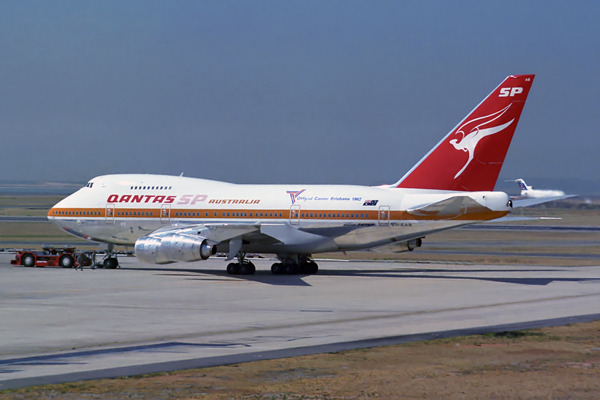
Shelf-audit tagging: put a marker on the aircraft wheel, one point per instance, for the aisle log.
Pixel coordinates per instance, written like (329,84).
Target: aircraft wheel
(277,269)
(247,269)
(233,269)
(28,260)
(311,267)
(111,263)
(66,261)
(290,269)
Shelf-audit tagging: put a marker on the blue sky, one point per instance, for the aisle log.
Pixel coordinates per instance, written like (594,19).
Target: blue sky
(287,91)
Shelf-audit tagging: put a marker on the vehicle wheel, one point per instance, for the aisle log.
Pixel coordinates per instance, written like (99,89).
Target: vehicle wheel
(28,260)
(66,261)
(232,269)
(84,260)
(247,269)
(277,269)
(111,263)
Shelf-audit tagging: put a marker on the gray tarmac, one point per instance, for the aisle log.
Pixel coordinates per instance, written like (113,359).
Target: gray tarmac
(61,325)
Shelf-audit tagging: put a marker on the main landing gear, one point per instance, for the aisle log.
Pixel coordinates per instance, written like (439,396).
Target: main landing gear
(297,264)
(288,265)
(242,267)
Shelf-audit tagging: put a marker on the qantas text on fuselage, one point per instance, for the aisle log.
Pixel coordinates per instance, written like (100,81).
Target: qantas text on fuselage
(183,200)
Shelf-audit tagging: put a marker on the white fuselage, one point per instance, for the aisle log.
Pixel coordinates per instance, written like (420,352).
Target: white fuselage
(120,209)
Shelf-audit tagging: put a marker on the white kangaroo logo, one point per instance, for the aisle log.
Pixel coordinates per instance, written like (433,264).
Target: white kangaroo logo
(469,141)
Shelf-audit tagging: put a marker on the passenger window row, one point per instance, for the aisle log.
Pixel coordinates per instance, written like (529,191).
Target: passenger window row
(230,214)
(134,213)
(334,215)
(87,213)
(215,214)
(150,188)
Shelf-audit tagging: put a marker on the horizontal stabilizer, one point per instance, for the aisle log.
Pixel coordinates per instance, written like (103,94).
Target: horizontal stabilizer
(512,219)
(540,200)
(449,208)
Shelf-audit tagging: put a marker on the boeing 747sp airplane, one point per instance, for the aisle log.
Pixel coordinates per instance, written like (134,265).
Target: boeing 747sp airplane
(170,219)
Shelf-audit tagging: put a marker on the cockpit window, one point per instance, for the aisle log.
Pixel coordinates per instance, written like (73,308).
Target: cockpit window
(89,185)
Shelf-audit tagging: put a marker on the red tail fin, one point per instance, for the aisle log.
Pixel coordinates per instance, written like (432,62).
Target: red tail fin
(470,157)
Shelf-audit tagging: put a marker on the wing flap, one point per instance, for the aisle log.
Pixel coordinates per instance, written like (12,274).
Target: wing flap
(215,233)
(286,234)
(223,232)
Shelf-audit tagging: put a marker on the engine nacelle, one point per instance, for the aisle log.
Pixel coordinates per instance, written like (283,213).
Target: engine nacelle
(409,245)
(399,247)
(173,248)
(413,244)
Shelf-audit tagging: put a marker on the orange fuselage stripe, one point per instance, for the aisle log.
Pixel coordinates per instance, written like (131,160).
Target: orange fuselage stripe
(166,213)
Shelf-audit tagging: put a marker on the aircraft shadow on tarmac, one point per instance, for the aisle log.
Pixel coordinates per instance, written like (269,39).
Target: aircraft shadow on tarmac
(392,273)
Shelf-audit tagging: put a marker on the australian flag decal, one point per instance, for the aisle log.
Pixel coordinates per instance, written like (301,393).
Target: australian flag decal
(370,202)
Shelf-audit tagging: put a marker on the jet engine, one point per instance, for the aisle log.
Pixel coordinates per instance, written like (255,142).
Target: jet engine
(173,247)
(399,247)
(409,245)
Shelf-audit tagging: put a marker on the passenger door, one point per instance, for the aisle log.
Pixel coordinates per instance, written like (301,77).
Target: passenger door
(109,215)
(384,215)
(295,215)
(165,214)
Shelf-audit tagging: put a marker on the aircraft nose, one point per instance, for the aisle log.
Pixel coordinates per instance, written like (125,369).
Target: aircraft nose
(55,211)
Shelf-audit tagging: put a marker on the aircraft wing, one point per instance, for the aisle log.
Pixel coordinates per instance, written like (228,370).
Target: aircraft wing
(539,200)
(218,233)
(233,233)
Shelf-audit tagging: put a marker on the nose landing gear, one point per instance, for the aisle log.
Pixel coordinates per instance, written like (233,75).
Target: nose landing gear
(88,259)
(110,263)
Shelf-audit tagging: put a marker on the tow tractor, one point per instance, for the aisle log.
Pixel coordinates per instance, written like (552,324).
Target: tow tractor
(66,257)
